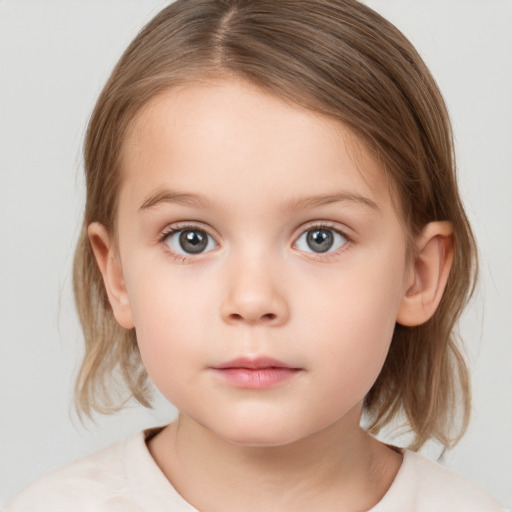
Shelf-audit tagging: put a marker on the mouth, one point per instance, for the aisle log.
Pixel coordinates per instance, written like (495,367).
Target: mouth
(258,373)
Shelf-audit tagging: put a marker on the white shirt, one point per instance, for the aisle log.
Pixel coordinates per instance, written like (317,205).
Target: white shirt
(125,478)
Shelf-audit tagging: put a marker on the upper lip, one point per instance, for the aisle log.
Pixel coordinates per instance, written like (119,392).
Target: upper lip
(257,363)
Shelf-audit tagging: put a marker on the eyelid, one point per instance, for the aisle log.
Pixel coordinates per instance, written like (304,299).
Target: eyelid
(322,224)
(197,225)
(177,227)
(327,225)
(186,225)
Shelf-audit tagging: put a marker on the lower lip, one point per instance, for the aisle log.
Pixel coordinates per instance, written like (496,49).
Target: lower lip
(260,378)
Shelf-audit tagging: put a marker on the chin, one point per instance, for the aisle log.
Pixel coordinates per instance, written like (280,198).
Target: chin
(258,433)
(257,440)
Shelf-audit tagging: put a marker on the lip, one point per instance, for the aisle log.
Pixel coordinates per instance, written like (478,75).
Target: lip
(257,373)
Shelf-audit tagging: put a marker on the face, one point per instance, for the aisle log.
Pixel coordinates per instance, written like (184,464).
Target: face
(263,262)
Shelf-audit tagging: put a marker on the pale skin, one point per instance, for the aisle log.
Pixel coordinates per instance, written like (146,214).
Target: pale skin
(254,177)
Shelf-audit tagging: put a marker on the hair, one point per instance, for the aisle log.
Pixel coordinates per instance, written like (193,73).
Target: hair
(334,57)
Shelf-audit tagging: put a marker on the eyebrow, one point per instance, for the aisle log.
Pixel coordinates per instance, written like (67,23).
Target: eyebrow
(169,196)
(190,199)
(320,200)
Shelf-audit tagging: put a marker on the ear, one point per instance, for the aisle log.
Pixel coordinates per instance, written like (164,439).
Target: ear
(429,274)
(110,267)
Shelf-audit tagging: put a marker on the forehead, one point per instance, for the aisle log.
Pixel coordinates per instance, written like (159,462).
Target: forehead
(196,136)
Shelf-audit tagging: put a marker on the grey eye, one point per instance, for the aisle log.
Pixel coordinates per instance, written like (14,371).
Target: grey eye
(190,241)
(320,240)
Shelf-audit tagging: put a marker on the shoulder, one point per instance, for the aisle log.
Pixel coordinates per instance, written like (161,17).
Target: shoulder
(440,489)
(84,485)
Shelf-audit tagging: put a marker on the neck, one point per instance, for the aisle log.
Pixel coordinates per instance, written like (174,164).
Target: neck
(340,468)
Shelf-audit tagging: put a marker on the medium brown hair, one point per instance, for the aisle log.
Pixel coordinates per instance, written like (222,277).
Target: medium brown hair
(334,57)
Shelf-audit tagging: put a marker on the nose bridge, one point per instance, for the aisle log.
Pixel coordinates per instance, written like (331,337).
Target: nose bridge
(254,292)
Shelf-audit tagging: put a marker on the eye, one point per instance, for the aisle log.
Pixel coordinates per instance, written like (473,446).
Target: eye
(189,241)
(320,239)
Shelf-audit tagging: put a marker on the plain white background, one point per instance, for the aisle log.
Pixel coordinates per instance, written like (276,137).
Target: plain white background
(55,56)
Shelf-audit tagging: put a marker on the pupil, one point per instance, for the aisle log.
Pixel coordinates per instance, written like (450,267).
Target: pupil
(320,240)
(193,241)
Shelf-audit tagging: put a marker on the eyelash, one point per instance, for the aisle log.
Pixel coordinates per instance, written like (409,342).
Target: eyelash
(171,230)
(327,256)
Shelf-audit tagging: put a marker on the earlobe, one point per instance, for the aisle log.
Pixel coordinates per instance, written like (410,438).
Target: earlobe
(429,274)
(105,253)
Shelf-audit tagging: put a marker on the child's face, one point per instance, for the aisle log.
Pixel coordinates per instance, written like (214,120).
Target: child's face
(290,248)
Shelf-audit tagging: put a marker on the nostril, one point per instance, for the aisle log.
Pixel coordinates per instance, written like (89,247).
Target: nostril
(266,317)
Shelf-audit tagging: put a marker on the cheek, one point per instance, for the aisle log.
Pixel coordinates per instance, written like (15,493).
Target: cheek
(355,316)
(355,352)
(172,328)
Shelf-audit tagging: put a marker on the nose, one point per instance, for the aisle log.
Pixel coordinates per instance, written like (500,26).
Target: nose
(254,296)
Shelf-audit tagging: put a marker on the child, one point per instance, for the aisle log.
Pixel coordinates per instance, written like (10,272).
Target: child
(273,233)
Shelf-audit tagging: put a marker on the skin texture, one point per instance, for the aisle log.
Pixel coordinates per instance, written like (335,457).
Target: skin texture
(257,174)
